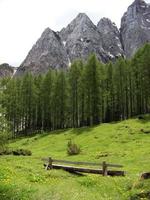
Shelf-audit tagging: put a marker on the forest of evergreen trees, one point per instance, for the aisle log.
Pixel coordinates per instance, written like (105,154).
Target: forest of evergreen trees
(84,95)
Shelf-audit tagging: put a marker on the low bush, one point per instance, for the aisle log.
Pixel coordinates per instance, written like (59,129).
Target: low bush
(23,152)
(73,149)
(16,152)
(140,117)
(6,151)
(139,196)
(145,131)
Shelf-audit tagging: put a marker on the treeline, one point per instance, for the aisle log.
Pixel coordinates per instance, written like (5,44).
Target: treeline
(86,94)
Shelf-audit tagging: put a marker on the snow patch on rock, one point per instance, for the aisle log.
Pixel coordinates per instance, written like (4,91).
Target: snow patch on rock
(148,20)
(64,43)
(110,55)
(69,62)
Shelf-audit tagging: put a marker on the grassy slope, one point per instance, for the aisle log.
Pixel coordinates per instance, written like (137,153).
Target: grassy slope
(123,143)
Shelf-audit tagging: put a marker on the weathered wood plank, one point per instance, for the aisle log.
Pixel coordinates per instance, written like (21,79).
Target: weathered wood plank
(72,162)
(76,163)
(81,163)
(87,170)
(114,165)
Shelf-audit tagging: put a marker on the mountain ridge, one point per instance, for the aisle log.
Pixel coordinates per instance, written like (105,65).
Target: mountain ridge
(82,37)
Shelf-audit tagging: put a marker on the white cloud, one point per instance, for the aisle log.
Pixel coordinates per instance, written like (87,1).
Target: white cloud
(23,21)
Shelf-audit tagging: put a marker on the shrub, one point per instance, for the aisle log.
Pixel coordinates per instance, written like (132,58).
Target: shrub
(73,149)
(4,130)
(23,152)
(142,195)
(6,151)
(16,152)
(140,117)
(145,131)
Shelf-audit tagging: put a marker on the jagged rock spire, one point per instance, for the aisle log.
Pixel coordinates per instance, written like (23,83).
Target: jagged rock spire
(135,26)
(110,38)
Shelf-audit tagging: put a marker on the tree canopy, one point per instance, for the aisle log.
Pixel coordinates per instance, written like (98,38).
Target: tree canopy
(86,94)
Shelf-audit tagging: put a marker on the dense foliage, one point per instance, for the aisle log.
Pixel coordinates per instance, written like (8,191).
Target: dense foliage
(87,94)
(4,130)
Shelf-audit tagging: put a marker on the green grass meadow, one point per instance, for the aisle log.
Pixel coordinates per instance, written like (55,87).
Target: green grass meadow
(24,177)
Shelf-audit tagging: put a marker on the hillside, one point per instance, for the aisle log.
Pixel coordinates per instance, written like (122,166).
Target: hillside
(120,143)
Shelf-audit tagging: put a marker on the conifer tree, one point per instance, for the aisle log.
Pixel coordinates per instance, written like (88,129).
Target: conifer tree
(74,93)
(46,93)
(59,101)
(92,91)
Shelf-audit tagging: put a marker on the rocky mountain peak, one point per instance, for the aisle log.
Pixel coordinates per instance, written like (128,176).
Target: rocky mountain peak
(46,32)
(82,17)
(49,33)
(107,25)
(80,24)
(138,2)
(81,38)
(48,52)
(137,7)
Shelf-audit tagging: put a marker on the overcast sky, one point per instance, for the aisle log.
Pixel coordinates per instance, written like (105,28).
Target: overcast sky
(23,21)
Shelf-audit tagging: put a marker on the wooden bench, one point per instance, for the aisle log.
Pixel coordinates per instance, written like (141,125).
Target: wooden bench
(63,164)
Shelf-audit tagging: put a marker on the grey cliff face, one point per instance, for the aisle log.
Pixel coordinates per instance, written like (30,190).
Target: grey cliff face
(110,38)
(135,27)
(6,70)
(47,53)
